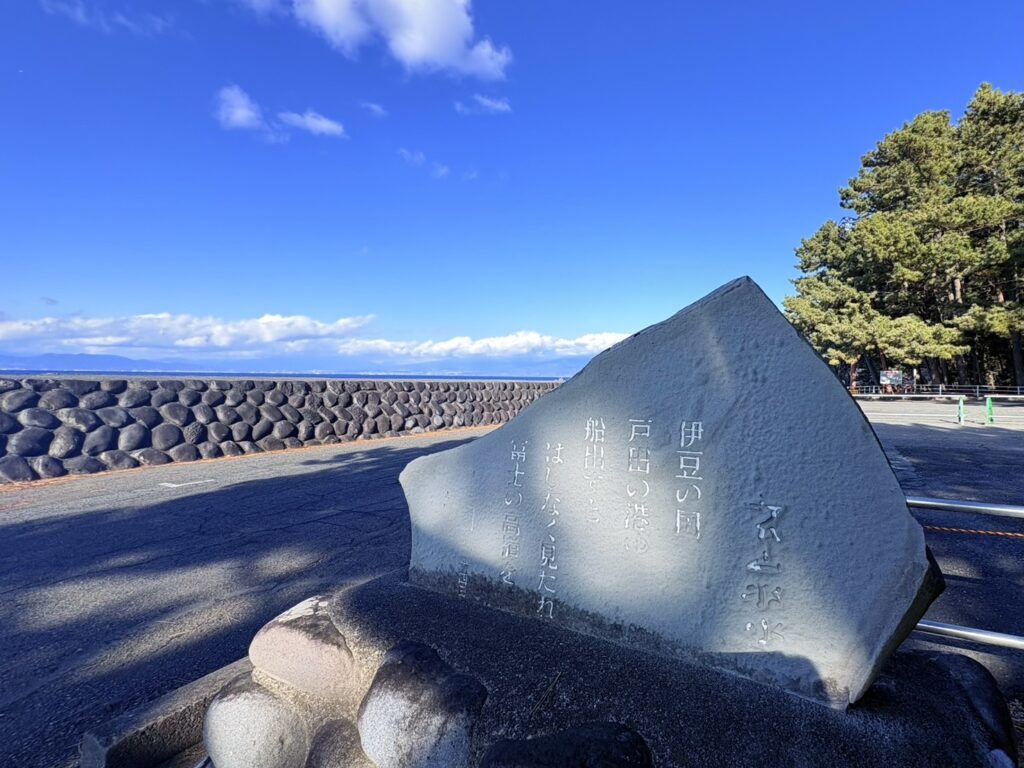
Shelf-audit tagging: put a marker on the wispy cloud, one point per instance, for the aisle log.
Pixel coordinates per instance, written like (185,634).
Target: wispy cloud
(95,17)
(168,336)
(412,156)
(236,110)
(484,105)
(520,343)
(423,35)
(373,108)
(170,333)
(312,122)
(417,159)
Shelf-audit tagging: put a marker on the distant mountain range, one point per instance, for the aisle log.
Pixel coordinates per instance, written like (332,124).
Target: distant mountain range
(562,367)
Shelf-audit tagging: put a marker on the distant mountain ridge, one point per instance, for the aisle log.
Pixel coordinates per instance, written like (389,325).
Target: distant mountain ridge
(57,363)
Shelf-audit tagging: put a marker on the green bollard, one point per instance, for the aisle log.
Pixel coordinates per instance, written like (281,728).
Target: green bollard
(990,416)
(960,411)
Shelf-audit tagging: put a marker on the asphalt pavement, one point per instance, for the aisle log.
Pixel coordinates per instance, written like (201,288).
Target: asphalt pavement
(117,588)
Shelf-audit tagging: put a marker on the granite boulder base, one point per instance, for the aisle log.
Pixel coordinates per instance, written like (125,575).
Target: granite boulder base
(705,489)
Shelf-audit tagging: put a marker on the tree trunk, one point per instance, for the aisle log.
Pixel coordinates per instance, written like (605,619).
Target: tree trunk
(871,369)
(1018,357)
(853,374)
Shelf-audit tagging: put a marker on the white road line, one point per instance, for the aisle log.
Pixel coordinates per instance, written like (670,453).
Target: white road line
(182,485)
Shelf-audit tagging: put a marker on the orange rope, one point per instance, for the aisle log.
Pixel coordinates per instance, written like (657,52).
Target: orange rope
(972,530)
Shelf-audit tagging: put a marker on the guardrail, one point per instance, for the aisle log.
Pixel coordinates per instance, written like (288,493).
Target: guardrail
(944,390)
(972,634)
(953,505)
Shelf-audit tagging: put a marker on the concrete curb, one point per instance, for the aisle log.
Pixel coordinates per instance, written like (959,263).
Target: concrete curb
(155,732)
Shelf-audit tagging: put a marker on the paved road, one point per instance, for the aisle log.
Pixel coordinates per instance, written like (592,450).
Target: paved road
(935,456)
(117,588)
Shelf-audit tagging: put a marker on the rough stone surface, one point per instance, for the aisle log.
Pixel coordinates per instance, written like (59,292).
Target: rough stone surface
(31,441)
(162,397)
(675,496)
(226,414)
(18,400)
(241,431)
(336,745)
(248,413)
(194,433)
(184,452)
(304,649)
(286,414)
(419,712)
(247,726)
(133,437)
(101,439)
(204,414)
(14,469)
(231,448)
(166,436)
(83,465)
(96,400)
(47,466)
(37,417)
(218,432)
(8,424)
(58,398)
(591,745)
(151,457)
(67,441)
(133,398)
(115,416)
(543,679)
(176,413)
(79,418)
(147,415)
(116,459)
(208,450)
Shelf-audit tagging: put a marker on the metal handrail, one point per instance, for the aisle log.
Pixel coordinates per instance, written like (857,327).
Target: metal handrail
(985,636)
(972,634)
(953,505)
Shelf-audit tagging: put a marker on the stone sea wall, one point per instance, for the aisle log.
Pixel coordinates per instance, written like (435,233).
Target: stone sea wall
(53,427)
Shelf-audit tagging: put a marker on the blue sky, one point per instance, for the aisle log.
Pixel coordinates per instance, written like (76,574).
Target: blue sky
(385,184)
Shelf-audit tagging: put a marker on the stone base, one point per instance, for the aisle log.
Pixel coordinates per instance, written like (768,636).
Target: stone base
(925,709)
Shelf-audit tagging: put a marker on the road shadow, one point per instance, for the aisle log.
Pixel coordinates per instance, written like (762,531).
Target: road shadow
(104,610)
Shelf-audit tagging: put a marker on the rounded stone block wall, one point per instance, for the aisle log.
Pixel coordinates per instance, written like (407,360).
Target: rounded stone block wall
(54,427)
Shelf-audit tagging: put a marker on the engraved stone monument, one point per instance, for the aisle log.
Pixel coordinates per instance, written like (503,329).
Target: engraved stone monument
(705,489)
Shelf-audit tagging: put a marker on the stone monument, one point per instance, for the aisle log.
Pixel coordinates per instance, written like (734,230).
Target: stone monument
(705,489)
(598,583)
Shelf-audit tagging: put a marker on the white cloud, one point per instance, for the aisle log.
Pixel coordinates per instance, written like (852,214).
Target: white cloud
(167,336)
(264,7)
(424,35)
(484,105)
(93,17)
(521,343)
(440,171)
(237,110)
(412,156)
(313,122)
(374,109)
(166,333)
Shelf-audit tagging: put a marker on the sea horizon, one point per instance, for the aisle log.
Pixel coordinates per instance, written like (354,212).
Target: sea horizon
(151,374)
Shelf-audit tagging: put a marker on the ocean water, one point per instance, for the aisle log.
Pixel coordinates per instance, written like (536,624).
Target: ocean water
(385,375)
